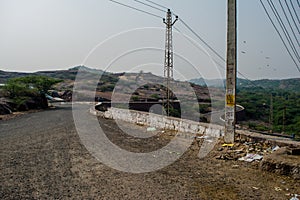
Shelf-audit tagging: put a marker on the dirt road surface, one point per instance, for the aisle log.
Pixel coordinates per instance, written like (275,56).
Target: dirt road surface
(42,158)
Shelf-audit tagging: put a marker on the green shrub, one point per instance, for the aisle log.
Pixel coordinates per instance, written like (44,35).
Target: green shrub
(135,98)
(29,85)
(154,96)
(21,89)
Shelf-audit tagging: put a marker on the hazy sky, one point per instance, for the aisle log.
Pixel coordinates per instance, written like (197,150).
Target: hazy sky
(41,35)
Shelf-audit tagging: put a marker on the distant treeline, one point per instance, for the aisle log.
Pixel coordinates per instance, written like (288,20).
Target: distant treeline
(271,109)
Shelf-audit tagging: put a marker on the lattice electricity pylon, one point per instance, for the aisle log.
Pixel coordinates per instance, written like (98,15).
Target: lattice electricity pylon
(168,67)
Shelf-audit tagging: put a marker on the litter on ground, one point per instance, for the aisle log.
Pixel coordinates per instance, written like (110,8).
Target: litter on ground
(251,157)
(227,145)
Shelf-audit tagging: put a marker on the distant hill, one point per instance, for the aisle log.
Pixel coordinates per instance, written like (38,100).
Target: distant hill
(292,85)
(4,76)
(69,74)
(108,80)
(253,95)
(218,83)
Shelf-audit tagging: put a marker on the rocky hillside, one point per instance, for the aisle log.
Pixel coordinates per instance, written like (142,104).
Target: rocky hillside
(150,84)
(69,74)
(291,85)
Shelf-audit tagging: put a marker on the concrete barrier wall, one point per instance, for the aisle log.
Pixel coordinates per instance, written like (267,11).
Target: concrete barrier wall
(188,126)
(163,122)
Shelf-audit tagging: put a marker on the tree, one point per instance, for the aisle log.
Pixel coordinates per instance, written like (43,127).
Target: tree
(29,85)
(33,88)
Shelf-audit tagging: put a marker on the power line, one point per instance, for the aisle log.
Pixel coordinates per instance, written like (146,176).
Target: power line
(289,22)
(150,5)
(218,64)
(268,17)
(295,11)
(287,5)
(266,11)
(164,7)
(285,32)
(137,9)
(198,36)
(194,44)
(185,24)
(202,40)
(212,49)
(154,15)
(283,27)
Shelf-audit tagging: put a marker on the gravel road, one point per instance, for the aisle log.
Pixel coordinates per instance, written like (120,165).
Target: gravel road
(42,158)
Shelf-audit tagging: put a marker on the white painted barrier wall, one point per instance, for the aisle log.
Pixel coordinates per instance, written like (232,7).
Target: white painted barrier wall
(163,122)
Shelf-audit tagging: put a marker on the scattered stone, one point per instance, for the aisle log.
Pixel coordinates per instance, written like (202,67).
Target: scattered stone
(281,162)
(251,149)
(151,129)
(203,137)
(277,189)
(220,149)
(239,151)
(225,157)
(235,166)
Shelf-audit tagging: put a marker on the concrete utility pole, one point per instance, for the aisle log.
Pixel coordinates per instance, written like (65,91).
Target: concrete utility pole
(168,69)
(230,73)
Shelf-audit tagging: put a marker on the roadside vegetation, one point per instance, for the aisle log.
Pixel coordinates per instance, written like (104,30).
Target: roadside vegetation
(24,93)
(270,105)
(275,110)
